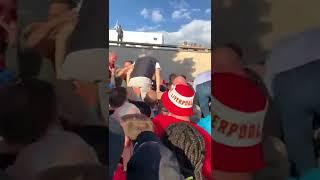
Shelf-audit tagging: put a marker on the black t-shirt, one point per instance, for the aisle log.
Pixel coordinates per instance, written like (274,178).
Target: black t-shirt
(145,67)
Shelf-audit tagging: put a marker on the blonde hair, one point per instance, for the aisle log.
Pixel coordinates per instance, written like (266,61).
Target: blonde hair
(134,124)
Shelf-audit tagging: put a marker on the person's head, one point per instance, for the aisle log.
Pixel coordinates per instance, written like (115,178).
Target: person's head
(74,172)
(179,101)
(172,76)
(143,107)
(117,97)
(27,110)
(189,147)
(125,109)
(58,7)
(227,58)
(185,77)
(179,80)
(134,124)
(151,98)
(127,63)
(112,58)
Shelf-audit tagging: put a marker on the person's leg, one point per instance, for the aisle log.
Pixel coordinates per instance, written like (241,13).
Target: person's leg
(204,96)
(297,97)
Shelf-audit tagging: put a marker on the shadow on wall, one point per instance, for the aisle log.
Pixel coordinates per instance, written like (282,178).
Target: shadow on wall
(170,61)
(184,67)
(242,22)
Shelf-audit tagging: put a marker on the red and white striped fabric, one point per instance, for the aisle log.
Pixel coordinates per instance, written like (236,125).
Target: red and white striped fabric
(239,109)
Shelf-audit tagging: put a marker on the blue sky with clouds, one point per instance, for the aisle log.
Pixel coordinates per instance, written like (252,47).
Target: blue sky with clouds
(179,20)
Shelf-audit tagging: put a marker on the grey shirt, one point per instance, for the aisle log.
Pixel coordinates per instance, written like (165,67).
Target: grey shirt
(292,52)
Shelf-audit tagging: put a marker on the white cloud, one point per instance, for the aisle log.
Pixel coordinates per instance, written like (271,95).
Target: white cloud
(181,14)
(196,10)
(156,16)
(208,11)
(179,4)
(144,13)
(197,31)
(148,28)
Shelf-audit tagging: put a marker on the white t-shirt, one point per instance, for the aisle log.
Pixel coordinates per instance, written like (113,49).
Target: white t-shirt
(294,51)
(202,78)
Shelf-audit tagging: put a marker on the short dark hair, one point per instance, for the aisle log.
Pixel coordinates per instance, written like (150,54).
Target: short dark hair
(172,76)
(117,97)
(235,48)
(143,107)
(185,77)
(27,108)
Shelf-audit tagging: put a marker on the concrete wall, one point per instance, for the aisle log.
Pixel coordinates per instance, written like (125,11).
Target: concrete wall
(139,37)
(257,24)
(171,61)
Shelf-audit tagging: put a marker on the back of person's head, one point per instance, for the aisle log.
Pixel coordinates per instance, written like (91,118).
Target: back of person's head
(27,109)
(151,98)
(179,80)
(172,77)
(228,58)
(127,108)
(134,124)
(189,146)
(185,77)
(74,172)
(143,107)
(117,97)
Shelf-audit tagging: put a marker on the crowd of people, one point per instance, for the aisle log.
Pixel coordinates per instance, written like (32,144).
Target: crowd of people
(50,127)
(165,126)
(264,125)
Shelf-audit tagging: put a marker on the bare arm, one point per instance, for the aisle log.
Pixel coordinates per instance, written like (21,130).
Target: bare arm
(60,52)
(39,33)
(44,29)
(61,45)
(129,73)
(158,79)
(122,71)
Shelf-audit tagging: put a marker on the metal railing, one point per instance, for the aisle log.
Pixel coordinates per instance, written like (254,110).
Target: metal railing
(158,46)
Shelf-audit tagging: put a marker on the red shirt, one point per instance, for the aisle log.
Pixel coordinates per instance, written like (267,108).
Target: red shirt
(119,173)
(161,122)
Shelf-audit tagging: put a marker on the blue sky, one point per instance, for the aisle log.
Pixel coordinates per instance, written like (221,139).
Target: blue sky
(176,18)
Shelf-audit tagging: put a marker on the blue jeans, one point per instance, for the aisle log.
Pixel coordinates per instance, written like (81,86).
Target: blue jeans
(203,92)
(297,95)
